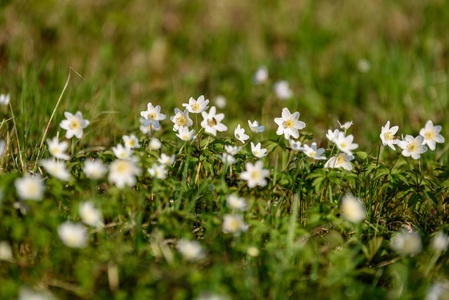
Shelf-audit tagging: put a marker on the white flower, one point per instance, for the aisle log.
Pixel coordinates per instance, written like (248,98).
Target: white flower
(197,106)
(255,127)
(437,292)
(26,293)
(345,144)
(166,160)
(212,121)
(211,296)
(233,150)
(2,148)
(282,90)
(363,65)
(406,243)
(181,119)
(5,251)
(220,102)
(227,159)
(313,152)
(73,235)
(440,241)
(30,187)
(152,115)
(234,224)
(345,126)
(258,151)
(57,149)
(184,134)
(332,135)
(387,135)
(352,209)
(340,160)
(253,251)
(295,145)
(261,75)
(74,125)
(94,169)
(56,169)
(240,134)
(131,141)
(158,171)
(255,174)
(289,124)
(122,152)
(236,203)
(90,215)
(4,99)
(123,172)
(146,127)
(191,250)
(412,146)
(155,144)
(431,135)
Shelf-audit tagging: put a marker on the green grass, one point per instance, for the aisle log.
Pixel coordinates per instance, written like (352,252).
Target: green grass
(129,53)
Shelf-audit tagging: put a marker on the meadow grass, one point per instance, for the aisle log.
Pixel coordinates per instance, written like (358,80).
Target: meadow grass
(109,59)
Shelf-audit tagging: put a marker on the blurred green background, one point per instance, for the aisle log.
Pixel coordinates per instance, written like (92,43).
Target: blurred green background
(134,52)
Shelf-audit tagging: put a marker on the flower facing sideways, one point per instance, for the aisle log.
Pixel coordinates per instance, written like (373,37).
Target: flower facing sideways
(255,174)
(56,169)
(352,209)
(197,106)
(166,160)
(332,135)
(74,125)
(240,134)
(155,144)
(345,126)
(261,75)
(340,160)
(73,235)
(30,187)
(90,215)
(258,151)
(191,250)
(412,146)
(431,135)
(146,127)
(313,152)
(158,171)
(387,135)
(289,124)
(212,121)
(406,243)
(227,159)
(295,145)
(237,203)
(282,90)
(57,148)
(185,135)
(233,150)
(255,127)
(4,99)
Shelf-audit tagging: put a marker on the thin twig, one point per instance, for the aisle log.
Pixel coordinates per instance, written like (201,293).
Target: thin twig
(17,137)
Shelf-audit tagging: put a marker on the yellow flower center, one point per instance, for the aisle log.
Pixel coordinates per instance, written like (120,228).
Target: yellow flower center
(131,143)
(340,160)
(32,188)
(389,136)
(123,155)
(75,124)
(152,116)
(289,124)
(54,150)
(255,174)
(343,145)
(212,122)
(195,106)
(234,225)
(256,152)
(312,153)
(412,147)
(430,135)
(181,121)
(122,167)
(185,137)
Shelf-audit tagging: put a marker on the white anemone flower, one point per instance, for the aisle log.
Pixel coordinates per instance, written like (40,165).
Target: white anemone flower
(289,124)
(94,169)
(56,169)
(234,224)
(197,106)
(152,115)
(191,250)
(220,102)
(282,90)
(345,143)
(345,126)
(332,135)
(74,125)
(30,187)
(73,235)
(233,150)
(57,148)
(387,135)
(2,148)
(227,159)
(363,65)
(155,144)
(313,152)
(341,160)
(185,135)
(431,135)
(255,127)
(122,152)
(412,146)
(146,127)
(4,99)
(258,151)
(158,171)
(255,174)
(181,119)
(406,243)
(25,293)
(261,75)
(6,251)
(237,203)
(295,145)
(90,215)
(212,121)
(352,209)
(131,141)
(240,134)
(123,173)
(166,160)
(440,242)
